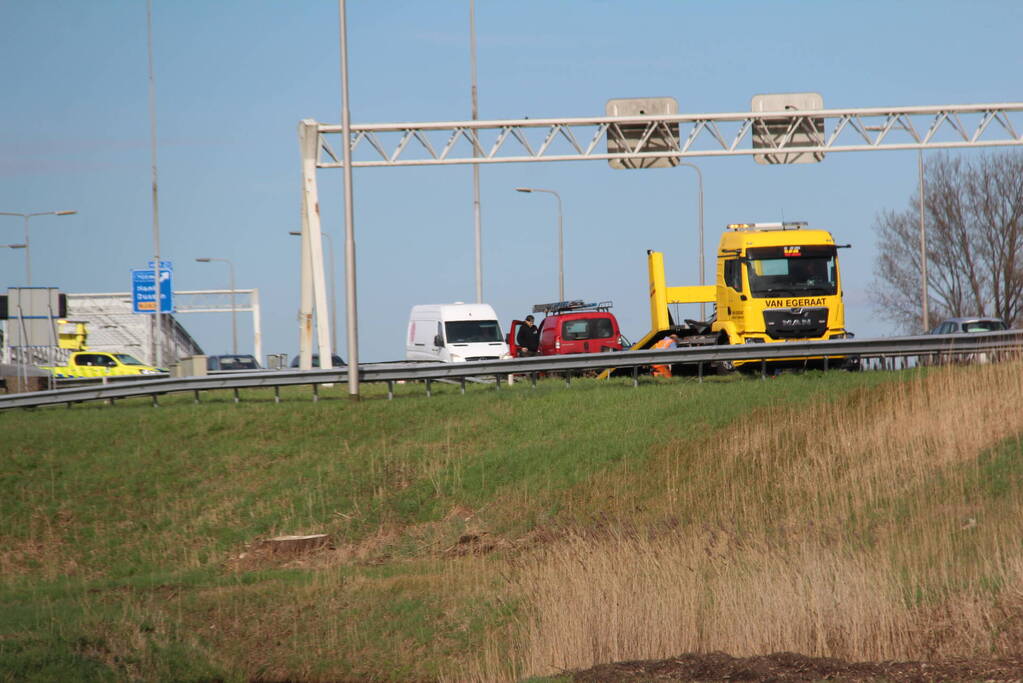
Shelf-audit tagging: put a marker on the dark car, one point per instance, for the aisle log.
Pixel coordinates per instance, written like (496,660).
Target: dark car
(232,361)
(961,325)
(334,359)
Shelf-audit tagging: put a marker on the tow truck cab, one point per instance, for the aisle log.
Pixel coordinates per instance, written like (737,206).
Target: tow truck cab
(573,327)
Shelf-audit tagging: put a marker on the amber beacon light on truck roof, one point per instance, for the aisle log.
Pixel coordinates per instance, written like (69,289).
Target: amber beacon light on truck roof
(788,225)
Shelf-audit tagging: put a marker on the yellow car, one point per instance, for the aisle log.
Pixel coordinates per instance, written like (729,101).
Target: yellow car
(102,364)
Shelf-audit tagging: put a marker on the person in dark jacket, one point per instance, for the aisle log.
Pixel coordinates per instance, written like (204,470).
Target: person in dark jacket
(528,338)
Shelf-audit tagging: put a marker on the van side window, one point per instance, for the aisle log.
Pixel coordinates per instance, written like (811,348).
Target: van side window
(733,274)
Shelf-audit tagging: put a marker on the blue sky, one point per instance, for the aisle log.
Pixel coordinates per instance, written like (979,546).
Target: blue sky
(234,77)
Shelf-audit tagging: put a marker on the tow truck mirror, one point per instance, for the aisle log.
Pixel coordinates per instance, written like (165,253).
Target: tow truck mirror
(438,340)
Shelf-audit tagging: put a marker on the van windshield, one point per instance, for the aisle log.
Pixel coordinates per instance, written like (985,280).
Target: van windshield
(470,331)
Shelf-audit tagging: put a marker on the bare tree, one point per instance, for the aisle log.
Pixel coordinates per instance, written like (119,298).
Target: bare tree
(973,213)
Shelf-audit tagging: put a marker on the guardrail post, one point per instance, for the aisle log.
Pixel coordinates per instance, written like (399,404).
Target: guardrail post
(699,372)
(390,389)
(568,379)
(461,382)
(532,379)
(497,382)
(428,392)
(635,376)
(156,401)
(825,363)
(236,397)
(196,392)
(277,393)
(316,393)
(763,369)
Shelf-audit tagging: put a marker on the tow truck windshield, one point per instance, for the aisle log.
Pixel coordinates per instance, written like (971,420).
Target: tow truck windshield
(128,360)
(792,271)
(471,331)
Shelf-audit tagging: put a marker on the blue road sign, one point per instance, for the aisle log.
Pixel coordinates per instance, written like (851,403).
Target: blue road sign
(163,264)
(143,293)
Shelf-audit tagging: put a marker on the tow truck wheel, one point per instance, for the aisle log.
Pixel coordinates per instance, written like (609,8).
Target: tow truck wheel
(723,367)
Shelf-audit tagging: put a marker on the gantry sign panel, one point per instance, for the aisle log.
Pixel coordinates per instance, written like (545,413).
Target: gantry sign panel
(787,132)
(698,135)
(661,137)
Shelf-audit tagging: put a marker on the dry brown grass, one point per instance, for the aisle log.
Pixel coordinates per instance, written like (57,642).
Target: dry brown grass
(852,529)
(43,552)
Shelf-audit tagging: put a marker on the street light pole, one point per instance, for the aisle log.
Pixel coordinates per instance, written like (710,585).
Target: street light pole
(25,246)
(351,300)
(703,258)
(477,219)
(333,289)
(561,238)
(234,310)
(923,245)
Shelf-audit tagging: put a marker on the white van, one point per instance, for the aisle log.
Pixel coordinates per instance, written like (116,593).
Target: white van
(454,333)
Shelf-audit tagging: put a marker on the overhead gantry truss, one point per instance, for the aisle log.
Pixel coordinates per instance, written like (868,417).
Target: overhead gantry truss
(682,135)
(626,142)
(186,301)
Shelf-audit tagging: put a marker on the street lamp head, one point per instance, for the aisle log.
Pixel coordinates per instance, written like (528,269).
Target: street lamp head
(523,189)
(203,260)
(296,233)
(15,246)
(65,213)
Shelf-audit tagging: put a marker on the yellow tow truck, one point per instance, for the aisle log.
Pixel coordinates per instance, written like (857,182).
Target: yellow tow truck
(776,282)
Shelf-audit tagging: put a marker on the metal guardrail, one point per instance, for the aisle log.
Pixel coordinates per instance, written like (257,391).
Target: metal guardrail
(68,382)
(934,346)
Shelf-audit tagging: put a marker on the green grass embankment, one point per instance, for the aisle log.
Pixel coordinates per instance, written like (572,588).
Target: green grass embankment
(130,534)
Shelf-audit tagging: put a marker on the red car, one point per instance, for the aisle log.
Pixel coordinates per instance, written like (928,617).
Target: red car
(573,327)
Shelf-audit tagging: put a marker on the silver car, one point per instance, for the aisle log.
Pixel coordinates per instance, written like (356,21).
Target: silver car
(961,325)
(966,326)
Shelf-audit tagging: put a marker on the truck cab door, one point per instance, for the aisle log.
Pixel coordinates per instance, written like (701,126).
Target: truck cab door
(735,294)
